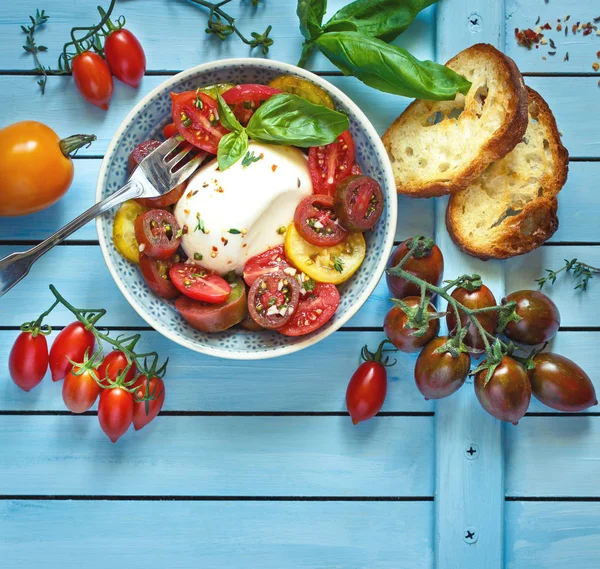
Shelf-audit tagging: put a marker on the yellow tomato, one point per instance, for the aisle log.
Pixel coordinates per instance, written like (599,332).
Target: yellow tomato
(124,230)
(325,264)
(35,166)
(303,88)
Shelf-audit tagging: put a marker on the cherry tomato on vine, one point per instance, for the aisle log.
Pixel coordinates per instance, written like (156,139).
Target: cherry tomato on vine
(115,412)
(245,99)
(507,394)
(359,203)
(331,163)
(402,337)
(426,263)
(113,365)
(71,344)
(93,78)
(155,390)
(28,360)
(157,233)
(368,386)
(540,318)
(317,223)
(80,390)
(125,57)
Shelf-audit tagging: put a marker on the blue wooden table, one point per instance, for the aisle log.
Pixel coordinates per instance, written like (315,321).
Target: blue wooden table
(257,464)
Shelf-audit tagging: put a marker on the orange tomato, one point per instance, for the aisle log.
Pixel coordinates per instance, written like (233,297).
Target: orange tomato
(35,166)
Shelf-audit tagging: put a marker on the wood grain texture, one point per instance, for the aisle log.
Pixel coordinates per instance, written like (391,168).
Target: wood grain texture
(218,456)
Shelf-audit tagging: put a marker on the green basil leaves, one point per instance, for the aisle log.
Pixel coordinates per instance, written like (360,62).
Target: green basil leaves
(283,119)
(310,13)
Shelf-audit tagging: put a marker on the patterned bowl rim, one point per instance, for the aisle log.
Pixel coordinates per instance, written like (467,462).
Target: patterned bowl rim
(391,204)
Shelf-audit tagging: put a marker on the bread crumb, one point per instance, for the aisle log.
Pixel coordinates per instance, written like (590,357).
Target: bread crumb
(595,66)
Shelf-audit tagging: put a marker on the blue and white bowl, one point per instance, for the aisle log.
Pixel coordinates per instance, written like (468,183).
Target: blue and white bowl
(147,120)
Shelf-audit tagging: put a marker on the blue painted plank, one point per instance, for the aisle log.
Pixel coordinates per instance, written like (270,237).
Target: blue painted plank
(272,535)
(218,456)
(553,456)
(310,381)
(552,535)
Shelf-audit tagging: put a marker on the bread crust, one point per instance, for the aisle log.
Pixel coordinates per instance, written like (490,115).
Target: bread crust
(499,145)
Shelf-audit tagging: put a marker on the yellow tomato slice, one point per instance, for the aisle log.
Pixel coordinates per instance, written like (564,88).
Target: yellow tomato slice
(325,264)
(303,88)
(124,231)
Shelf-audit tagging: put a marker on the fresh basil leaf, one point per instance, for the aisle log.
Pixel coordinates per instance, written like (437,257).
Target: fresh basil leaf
(310,13)
(226,116)
(289,119)
(383,19)
(390,68)
(231,148)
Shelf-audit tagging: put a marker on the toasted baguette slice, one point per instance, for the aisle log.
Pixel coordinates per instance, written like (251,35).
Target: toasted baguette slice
(439,147)
(511,208)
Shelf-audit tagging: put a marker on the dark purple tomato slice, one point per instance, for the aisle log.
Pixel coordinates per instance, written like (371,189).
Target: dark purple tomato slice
(270,261)
(273,298)
(157,232)
(215,317)
(199,283)
(250,325)
(245,99)
(317,222)
(359,203)
(140,152)
(156,275)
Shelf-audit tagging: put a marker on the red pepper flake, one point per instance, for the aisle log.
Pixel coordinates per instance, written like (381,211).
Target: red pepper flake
(214,248)
(274,167)
(598,54)
(559,28)
(587,31)
(225,241)
(546,26)
(527,38)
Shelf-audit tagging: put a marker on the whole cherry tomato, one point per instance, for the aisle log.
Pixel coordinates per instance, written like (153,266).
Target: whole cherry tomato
(426,263)
(113,365)
(540,318)
(35,166)
(115,412)
(93,79)
(402,337)
(71,344)
(80,391)
(480,297)
(368,386)
(125,57)
(507,394)
(155,390)
(440,374)
(28,360)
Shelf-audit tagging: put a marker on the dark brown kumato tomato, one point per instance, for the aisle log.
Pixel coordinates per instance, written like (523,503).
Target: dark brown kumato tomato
(540,318)
(404,338)
(156,232)
(359,203)
(273,299)
(317,223)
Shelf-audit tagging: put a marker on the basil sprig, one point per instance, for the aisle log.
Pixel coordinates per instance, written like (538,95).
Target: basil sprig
(282,119)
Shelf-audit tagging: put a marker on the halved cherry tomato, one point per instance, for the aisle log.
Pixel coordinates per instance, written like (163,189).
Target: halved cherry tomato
(271,261)
(156,232)
(315,308)
(71,344)
(113,365)
(125,57)
(245,99)
(170,130)
(273,298)
(199,283)
(115,412)
(215,317)
(316,221)
(330,164)
(359,203)
(156,275)
(124,230)
(92,78)
(80,391)
(140,152)
(28,360)
(155,390)
(196,118)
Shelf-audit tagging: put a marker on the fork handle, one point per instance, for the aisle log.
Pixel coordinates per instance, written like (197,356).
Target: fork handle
(16,266)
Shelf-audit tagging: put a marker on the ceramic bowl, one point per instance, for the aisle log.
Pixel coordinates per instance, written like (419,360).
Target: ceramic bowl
(147,120)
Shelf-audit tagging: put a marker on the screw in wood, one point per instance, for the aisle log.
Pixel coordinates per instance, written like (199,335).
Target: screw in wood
(470,535)
(471,451)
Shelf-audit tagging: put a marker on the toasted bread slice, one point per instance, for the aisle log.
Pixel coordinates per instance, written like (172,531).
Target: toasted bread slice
(511,208)
(439,147)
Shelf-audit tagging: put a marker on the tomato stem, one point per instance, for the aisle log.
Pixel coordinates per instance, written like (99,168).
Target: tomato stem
(70,145)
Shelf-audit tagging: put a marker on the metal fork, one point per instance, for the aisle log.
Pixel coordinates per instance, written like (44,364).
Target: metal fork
(154,177)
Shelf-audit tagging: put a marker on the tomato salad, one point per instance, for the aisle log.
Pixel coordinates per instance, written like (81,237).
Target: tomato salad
(263,238)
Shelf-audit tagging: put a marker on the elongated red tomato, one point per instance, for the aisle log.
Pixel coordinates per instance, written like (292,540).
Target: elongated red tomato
(155,391)
(92,78)
(125,57)
(115,412)
(113,365)
(330,164)
(71,344)
(80,392)
(28,360)
(245,99)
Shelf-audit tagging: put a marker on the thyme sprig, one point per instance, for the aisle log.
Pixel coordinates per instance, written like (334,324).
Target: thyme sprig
(34,49)
(221,24)
(582,272)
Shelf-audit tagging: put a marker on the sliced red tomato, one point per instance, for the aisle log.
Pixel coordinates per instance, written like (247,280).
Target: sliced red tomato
(270,261)
(273,298)
(315,308)
(245,99)
(199,283)
(330,164)
(170,130)
(317,222)
(165,200)
(359,202)
(156,231)
(197,120)
(156,275)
